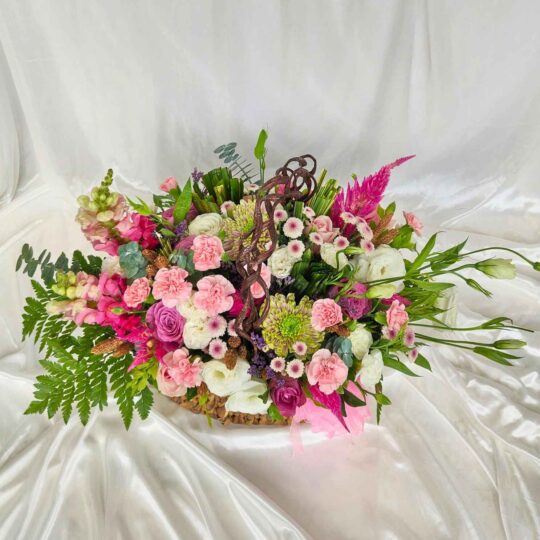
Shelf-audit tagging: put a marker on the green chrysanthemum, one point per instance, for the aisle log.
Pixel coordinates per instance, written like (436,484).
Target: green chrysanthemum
(240,223)
(288,322)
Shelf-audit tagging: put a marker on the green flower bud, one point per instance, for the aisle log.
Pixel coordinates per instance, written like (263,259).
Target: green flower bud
(72,278)
(103,197)
(536,266)
(105,216)
(83,201)
(509,344)
(71,293)
(118,310)
(497,268)
(59,290)
(93,207)
(95,194)
(385,290)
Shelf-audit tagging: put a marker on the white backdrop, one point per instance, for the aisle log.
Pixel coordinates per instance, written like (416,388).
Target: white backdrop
(150,88)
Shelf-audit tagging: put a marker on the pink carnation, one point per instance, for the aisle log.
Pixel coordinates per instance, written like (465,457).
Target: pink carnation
(168,184)
(325,313)
(176,373)
(396,316)
(137,292)
(413,222)
(207,252)
(256,289)
(327,370)
(214,295)
(170,285)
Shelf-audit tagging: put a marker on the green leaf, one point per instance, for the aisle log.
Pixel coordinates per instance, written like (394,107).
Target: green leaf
(396,364)
(382,399)
(403,238)
(353,401)
(191,393)
(431,285)
(495,356)
(423,255)
(274,414)
(183,203)
(144,404)
(141,207)
(260,149)
(422,361)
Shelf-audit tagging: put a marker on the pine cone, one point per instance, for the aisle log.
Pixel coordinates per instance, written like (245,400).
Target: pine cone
(124,348)
(230,358)
(340,330)
(234,342)
(242,352)
(161,262)
(149,255)
(107,346)
(151,270)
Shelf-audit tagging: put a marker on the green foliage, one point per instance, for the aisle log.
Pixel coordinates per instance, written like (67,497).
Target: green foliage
(141,207)
(90,265)
(423,255)
(183,203)
(260,153)
(274,414)
(238,165)
(184,260)
(132,261)
(403,240)
(352,400)
(392,361)
(324,195)
(220,187)
(422,361)
(343,347)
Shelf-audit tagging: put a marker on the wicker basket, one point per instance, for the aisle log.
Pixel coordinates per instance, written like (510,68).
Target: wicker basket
(215,408)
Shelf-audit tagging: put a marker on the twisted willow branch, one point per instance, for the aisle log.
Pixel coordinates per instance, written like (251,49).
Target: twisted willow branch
(295,181)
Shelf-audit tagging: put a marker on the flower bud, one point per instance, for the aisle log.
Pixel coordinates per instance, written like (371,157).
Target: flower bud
(72,278)
(105,216)
(118,310)
(509,344)
(95,194)
(385,290)
(497,268)
(92,206)
(71,293)
(83,200)
(536,266)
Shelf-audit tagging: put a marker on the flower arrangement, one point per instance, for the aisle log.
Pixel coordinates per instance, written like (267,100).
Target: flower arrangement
(264,301)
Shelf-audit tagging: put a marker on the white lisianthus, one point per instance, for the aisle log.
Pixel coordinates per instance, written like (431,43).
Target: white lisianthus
(209,224)
(223,381)
(360,265)
(331,255)
(361,340)
(247,400)
(386,262)
(187,309)
(111,265)
(371,370)
(196,334)
(447,300)
(281,262)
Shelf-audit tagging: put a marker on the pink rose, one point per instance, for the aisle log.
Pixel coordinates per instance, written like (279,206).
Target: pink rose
(413,222)
(137,292)
(325,313)
(112,286)
(256,289)
(170,285)
(327,370)
(214,295)
(207,252)
(168,184)
(325,228)
(176,373)
(396,316)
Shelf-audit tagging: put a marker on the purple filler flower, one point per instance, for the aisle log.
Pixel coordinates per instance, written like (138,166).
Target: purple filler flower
(287,394)
(166,323)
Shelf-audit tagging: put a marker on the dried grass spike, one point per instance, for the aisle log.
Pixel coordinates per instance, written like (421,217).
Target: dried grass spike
(107,346)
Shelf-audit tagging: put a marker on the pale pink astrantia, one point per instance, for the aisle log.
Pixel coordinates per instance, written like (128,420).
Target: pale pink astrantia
(367,246)
(300,348)
(217,349)
(216,326)
(409,337)
(226,206)
(348,218)
(413,222)
(293,228)
(362,198)
(277,364)
(280,214)
(295,368)
(389,333)
(296,249)
(413,355)
(364,229)
(316,238)
(341,242)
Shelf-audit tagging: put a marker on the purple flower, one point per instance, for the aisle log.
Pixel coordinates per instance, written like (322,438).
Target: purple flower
(196,175)
(287,394)
(166,323)
(356,308)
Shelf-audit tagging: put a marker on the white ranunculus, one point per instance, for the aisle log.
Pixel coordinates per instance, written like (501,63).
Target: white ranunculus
(111,265)
(209,224)
(447,300)
(386,262)
(281,263)
(371,370)
(330,255)
(360,265)
(247,399)
(361,341)
(188,310)
(223,381)
(195,334)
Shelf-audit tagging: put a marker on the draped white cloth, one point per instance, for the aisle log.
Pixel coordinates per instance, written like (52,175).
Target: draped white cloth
(149,89)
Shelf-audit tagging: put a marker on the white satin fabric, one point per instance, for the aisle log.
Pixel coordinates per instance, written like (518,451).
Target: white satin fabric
(150,88)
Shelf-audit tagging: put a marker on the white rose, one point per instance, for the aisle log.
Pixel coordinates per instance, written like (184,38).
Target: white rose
(447,300)
(111,265)
(361,341)
(360,265)
(386,262)
(209,224)
(247,399)
(188,310)
(371,371)
(281,263)
(223,381)
(329,254)
(195,334)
